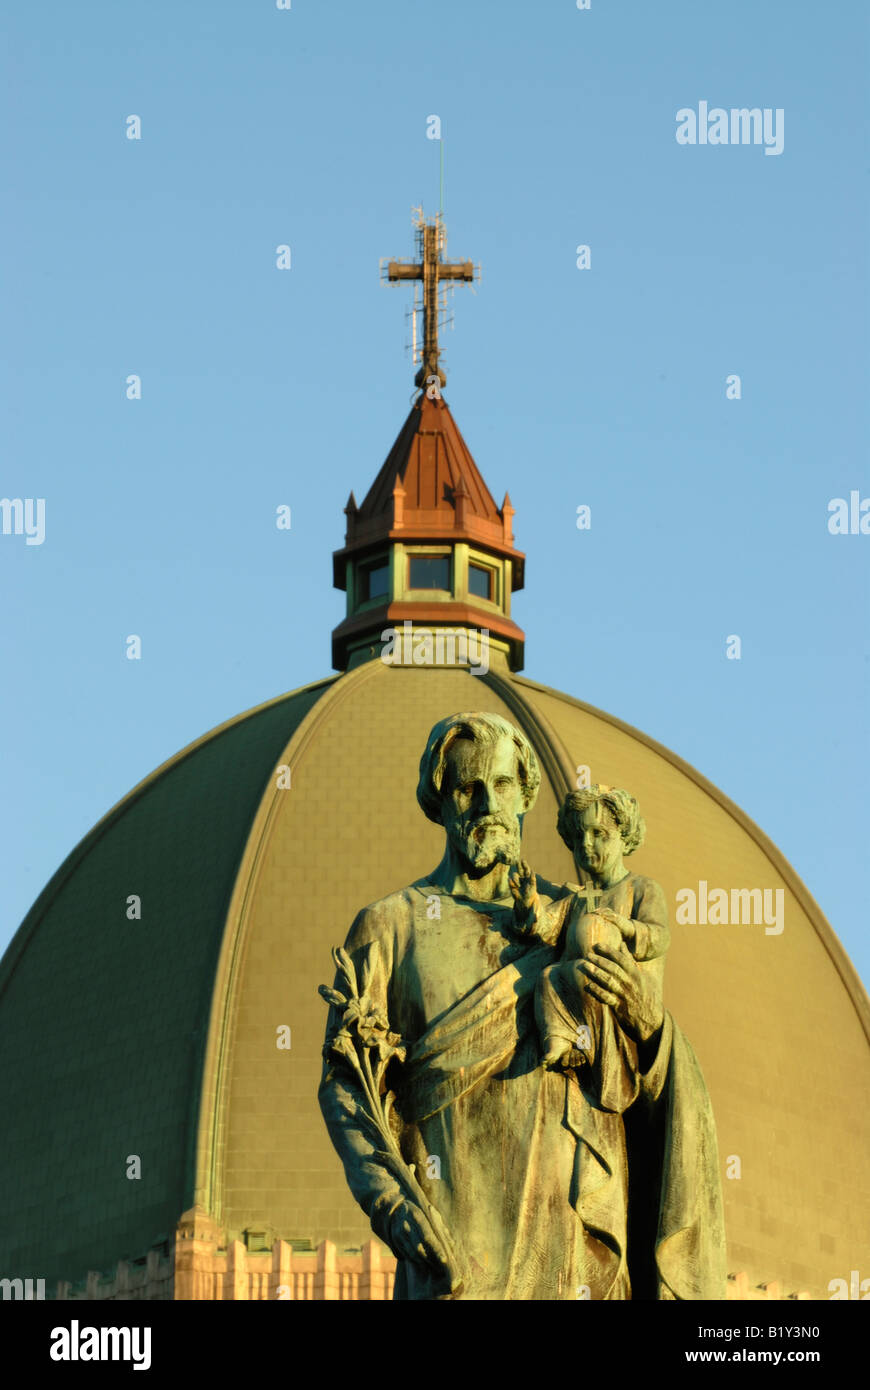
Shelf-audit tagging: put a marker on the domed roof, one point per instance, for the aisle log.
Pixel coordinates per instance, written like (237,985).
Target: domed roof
(157,1037)
(142,999)
(104,1018)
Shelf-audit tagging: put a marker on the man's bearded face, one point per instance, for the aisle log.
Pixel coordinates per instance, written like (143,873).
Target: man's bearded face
(482,802)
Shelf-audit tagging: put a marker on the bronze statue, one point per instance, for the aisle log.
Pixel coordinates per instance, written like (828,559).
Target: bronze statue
(599,825)
(489,1174)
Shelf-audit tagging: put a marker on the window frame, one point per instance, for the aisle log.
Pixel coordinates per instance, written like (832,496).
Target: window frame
(427,553)
(364,569)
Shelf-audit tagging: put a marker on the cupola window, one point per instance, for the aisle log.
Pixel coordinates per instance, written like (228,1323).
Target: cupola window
(480,579)
(429,572)
(374,580)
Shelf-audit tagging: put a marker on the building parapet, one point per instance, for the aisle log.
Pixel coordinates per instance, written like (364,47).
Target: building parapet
(202,1266)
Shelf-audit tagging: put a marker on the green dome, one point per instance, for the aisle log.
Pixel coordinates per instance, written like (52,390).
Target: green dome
(103,1020)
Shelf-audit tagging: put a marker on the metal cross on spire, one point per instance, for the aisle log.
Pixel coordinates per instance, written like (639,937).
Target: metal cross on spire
(433,270)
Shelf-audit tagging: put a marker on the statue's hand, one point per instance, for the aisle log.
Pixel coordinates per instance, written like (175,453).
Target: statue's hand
(623,924)
(634,995)
(524,888)
(412,1236)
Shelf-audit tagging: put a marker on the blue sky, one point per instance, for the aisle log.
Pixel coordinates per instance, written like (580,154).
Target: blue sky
(604,387)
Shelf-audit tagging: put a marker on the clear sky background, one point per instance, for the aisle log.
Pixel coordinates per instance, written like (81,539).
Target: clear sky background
(604,387)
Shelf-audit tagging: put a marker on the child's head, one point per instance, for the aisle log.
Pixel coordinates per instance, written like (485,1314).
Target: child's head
(599,825)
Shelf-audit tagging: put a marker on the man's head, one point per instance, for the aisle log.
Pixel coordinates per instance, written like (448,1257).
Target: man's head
(478,777)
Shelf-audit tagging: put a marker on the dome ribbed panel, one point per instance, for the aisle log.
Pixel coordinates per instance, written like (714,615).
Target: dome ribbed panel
(103,1020)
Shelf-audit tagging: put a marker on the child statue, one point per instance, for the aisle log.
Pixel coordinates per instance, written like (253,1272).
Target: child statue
(600,825)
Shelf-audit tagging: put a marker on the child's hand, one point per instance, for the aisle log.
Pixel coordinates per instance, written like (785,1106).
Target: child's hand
(524,887)
(624,925)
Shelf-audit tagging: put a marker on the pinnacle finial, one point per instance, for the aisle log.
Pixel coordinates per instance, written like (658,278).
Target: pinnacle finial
(433,270)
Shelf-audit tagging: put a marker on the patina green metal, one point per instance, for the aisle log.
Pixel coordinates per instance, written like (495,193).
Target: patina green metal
(490,1174)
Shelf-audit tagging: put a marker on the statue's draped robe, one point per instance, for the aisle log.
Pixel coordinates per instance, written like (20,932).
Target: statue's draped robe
(550,1189)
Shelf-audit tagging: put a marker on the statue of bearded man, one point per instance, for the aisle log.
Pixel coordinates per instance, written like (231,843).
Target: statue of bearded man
(487,1174)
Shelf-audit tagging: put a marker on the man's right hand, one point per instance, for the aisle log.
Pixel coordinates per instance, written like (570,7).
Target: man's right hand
(412,1236)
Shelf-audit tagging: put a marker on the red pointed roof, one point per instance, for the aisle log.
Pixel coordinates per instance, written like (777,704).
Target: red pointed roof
(430,489)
